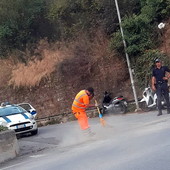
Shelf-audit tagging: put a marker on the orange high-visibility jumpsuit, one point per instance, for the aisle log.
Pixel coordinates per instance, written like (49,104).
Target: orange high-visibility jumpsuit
(79,105)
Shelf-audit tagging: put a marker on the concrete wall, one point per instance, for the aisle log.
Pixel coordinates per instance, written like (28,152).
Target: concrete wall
(8,145)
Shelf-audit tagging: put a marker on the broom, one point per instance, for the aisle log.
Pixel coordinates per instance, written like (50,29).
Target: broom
(102,121)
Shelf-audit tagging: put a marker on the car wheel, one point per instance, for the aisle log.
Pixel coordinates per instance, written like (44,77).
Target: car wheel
(18,136)
(34,132)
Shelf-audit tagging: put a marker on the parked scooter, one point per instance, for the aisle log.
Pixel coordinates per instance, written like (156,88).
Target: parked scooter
(149,100)
(115,105)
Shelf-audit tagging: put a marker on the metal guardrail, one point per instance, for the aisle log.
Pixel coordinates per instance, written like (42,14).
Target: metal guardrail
(63,117)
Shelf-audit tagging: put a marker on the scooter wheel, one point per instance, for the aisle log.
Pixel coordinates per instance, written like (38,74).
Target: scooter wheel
(123,108)
(144,107)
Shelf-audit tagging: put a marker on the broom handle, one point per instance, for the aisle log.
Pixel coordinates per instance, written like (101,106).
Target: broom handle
(102,121)
(97,107)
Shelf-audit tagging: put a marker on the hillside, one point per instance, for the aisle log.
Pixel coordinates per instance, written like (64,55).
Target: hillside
(52,77)
(50,82)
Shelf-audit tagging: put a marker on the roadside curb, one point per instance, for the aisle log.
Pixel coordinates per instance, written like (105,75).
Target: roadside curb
(8,145)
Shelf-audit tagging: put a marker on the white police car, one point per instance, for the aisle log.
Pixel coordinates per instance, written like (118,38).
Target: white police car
(16,118)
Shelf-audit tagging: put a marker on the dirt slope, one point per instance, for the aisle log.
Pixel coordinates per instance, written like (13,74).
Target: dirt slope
(51,79)
(51,82)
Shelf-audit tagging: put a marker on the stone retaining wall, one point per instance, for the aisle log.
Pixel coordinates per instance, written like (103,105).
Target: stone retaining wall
(8,145)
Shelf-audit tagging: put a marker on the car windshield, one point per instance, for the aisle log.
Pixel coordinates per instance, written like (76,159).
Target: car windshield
(11,110)
(25,106)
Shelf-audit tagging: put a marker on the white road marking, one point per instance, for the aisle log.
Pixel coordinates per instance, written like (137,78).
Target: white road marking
(33,156)
(13,166)
(36,156)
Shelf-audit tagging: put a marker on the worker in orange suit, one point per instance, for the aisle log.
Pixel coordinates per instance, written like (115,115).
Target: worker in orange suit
(79,106)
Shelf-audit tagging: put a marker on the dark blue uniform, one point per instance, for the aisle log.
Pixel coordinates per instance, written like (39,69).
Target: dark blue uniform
(161,86)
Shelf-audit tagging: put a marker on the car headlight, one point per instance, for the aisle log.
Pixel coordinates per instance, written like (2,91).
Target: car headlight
(31,117)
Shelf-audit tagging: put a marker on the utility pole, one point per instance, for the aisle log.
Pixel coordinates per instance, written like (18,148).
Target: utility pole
(127,57)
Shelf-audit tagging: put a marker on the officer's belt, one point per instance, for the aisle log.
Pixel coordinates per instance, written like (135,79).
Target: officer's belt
(160,82)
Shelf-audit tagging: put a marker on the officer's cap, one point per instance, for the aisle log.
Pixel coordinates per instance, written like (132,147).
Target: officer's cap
(157,60)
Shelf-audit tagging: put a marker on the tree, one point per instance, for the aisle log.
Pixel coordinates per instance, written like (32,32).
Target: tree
(19,23)
(139,29)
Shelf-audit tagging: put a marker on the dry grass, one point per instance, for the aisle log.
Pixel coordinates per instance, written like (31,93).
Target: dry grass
(6,67)
(83,49)
(100,45)
(31,74)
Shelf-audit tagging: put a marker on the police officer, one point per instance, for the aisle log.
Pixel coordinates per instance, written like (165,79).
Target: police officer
(160,84)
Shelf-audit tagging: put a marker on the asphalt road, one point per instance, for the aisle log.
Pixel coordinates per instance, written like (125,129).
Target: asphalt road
(128,142)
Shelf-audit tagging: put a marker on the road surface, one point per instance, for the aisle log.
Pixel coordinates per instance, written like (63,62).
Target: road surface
(137,141)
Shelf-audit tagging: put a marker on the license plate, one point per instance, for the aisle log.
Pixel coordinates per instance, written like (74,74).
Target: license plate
(20,126)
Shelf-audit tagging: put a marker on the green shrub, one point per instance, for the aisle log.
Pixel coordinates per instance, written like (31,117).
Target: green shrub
(142,36)
(3,128)
(144,65)
(20,23)
(140,30)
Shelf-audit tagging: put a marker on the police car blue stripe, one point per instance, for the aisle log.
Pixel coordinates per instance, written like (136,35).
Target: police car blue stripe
(26,117)
(6,119)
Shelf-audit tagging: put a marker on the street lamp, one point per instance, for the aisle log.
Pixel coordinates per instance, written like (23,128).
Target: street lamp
(127,57)
(161,25)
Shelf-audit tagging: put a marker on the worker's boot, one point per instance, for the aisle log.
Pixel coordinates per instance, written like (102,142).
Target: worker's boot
(159,113)
(89,133)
